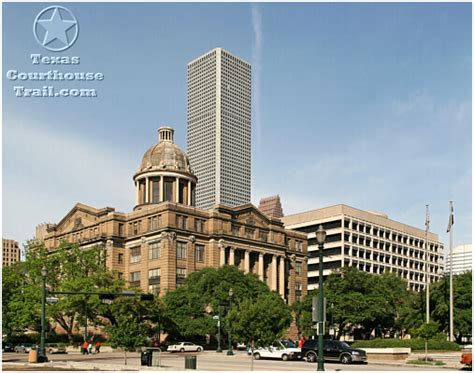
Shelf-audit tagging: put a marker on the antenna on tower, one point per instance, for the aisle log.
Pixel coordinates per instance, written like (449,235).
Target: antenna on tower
(427,220)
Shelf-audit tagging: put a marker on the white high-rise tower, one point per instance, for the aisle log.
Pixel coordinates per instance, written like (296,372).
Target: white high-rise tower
(219,128)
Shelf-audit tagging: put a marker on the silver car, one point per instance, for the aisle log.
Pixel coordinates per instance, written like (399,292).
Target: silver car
(23,348)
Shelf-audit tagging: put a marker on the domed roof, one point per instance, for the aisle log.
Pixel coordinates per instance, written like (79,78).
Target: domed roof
(165,155)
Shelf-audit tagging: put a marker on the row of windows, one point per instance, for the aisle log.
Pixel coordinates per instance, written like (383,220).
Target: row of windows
(154,252)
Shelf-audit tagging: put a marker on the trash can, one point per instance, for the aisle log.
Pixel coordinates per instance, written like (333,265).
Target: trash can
(33,356)
(145,358)
(190,362)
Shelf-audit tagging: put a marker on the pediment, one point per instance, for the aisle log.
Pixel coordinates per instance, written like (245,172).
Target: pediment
(251,216)
(79,217)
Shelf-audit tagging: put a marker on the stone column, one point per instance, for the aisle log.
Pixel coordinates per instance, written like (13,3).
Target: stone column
(162,188)
(232,256)
(281,287)
(147,190)
(260,266)
(177,190)
(273,285)
(137,193)
(222,250)
(189,192)
(247,261)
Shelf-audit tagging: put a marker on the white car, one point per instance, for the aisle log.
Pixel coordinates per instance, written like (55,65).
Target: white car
(277,351)
(184,347)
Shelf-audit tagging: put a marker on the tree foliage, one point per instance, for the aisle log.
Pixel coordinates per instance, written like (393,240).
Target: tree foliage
(359,298)
(190,309)
(462,297)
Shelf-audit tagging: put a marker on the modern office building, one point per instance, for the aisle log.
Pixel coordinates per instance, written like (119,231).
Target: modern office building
(369,241)
(11,252)
(462,259)
(271,206)
(219,128)
(166,237)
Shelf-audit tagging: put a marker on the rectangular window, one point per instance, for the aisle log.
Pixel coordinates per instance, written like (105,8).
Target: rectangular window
(263,236)
(120,259)
(235,230)
(182,222)
(154,273)
(154,250)
(155,190)
(180,276)
(120,230)
(298,268)
(199,253)
(199,225)
(153,223)
(168,189)
(299,245)
(135,254)
(249,232)
(120,275)
(180,250)
(154,289)
(134,276)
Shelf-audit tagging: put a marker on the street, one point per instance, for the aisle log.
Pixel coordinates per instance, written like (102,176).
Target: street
(207,360)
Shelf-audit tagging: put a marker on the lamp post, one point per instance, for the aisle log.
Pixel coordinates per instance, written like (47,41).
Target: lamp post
(229,349)
(219,348)
(42,353)
(320,239)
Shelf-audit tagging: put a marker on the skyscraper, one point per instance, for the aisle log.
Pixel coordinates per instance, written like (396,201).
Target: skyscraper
(219,128)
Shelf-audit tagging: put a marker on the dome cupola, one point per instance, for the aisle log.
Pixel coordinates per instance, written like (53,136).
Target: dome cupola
(164,174)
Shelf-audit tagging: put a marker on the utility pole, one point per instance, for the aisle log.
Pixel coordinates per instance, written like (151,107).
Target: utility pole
(427,272)
(451,296)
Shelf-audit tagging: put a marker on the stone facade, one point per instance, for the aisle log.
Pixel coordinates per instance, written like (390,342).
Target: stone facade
(165,237)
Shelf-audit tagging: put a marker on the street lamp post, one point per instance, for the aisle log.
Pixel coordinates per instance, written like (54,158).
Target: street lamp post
(219,348)
(42,352)
(320,239)
(229,349)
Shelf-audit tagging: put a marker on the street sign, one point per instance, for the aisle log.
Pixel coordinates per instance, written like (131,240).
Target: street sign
(50,300)
(315,310)
(216,317)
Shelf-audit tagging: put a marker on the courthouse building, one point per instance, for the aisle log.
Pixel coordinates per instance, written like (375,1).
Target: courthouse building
(166,237)
(369,241)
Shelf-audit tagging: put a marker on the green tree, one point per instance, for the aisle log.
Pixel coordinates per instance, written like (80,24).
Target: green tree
(260,321)
(359,298)
(189,309)
(426,331)
(462,297)
(128,333)
(70,268)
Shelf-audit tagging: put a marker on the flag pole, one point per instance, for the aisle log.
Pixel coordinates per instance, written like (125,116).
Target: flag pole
(427,227)
(451,300)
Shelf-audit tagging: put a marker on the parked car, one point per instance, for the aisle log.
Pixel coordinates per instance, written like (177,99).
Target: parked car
(241,346)
(333,350)
(53,348)
(279,350)
(466,356)
(23,348)
(184,347)
(7,347)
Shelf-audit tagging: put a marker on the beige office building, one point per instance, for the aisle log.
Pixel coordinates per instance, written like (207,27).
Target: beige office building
(219,128)
(165,238)
(462,259)
(11,252)
(369,241)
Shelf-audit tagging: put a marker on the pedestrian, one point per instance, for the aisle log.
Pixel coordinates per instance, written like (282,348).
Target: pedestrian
(84,347)
(89,347)
(97,347)
(300,342)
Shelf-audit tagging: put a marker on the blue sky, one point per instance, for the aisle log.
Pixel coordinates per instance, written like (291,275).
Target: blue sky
(363,104)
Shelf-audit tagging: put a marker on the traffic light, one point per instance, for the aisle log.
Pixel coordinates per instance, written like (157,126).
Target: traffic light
(147,297)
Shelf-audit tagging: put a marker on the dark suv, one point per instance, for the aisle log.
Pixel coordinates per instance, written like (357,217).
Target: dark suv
(333,350)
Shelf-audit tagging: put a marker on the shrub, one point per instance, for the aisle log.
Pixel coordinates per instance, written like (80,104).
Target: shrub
(415,344)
